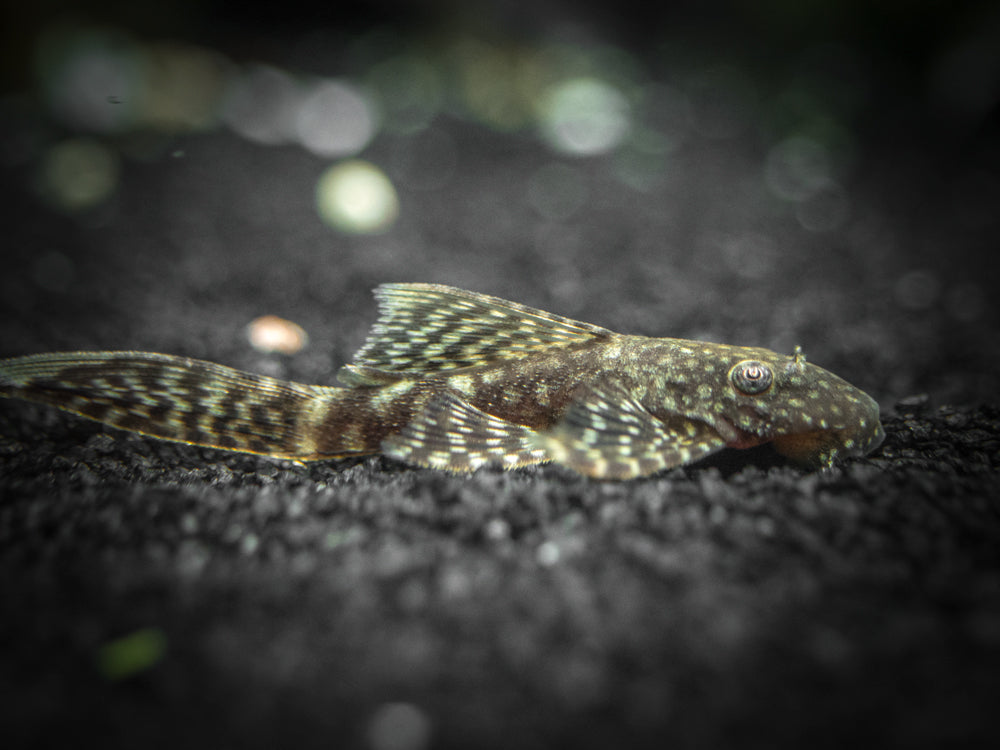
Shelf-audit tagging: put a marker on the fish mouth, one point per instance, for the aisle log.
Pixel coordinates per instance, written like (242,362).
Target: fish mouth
(876,440)
(737,437)
(821,447)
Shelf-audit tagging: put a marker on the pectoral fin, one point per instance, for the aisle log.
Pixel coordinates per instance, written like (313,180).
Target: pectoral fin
(609,435)
(453,435)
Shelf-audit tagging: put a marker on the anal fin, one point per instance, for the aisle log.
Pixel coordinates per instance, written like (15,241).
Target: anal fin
(453,435)
(607,434)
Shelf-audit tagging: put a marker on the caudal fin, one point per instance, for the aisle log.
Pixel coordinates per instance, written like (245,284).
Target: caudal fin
(175,398)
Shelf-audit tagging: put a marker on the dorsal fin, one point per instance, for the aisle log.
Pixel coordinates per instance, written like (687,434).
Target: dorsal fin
(424,328)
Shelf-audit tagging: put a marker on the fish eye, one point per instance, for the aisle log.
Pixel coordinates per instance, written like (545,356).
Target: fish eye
(751,377)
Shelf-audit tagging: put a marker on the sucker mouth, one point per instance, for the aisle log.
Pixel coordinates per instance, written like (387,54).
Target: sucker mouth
(738,438)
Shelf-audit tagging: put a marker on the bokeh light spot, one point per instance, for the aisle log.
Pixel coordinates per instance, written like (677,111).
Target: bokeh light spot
(78,174)
(797,168)
(490,84)
(131,654)
(410,93)
(92,80)
(584,116)
(356,196)
(825,210)
(548,553)
(335,119)
(183,85)
(262,105)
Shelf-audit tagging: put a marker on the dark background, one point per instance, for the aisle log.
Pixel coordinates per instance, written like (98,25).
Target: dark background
(736,602)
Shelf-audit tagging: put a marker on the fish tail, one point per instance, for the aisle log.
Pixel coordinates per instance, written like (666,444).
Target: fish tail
(176,398)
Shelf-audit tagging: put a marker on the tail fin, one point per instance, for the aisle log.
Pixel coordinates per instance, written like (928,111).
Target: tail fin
(175,398)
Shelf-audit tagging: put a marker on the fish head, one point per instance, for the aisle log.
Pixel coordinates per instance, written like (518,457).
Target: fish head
(809,414)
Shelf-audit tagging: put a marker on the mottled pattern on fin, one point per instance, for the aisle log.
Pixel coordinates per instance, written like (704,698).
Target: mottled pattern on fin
(175,398)
(609,435)
(452,434)
(426,328)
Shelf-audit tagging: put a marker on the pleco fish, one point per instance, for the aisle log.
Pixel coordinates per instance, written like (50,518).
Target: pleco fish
(454,380)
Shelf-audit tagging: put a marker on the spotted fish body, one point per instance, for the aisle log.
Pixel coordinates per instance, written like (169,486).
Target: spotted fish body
(455,380)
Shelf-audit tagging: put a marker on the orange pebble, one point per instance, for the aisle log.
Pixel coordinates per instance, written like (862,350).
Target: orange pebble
(269,333)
